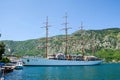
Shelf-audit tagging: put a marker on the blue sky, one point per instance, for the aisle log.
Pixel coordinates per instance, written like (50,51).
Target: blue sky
(23,19)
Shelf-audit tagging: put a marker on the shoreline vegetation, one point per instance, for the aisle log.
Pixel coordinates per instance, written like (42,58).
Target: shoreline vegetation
(105,42)
(109,55)
(111,62)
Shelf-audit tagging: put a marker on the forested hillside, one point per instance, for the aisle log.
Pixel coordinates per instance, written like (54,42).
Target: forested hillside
(102,43)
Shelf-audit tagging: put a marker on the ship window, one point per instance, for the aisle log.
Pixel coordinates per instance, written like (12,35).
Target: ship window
(28,60)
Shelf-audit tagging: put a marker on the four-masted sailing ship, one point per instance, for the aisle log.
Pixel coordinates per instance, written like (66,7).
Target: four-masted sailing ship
(61,59)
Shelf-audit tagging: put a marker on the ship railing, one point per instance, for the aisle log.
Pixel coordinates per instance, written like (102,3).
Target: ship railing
(32,57)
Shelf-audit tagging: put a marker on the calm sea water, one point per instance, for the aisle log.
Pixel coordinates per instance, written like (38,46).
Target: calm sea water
(98,72)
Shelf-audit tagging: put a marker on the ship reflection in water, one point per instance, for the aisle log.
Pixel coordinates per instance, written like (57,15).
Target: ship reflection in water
(101,72)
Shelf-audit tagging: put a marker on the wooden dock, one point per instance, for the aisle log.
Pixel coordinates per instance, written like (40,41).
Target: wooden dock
(7,69)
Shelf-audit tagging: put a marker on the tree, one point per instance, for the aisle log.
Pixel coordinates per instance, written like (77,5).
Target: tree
(5,60)
(2,49)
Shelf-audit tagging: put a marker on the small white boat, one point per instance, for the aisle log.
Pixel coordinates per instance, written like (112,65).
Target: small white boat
(2,78)
(19,65)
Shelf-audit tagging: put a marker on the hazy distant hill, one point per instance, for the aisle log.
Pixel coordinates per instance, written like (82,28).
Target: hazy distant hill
(106,39)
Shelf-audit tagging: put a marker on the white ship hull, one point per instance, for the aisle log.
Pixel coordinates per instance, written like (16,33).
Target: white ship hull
(48,62)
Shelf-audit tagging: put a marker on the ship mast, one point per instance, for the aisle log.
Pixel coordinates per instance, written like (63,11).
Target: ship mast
(82,39)
(66,33)
(93,51)
(46,45)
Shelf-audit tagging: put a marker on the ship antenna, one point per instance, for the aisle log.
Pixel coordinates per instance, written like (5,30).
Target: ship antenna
(0,34)
(46,27)
(66,33)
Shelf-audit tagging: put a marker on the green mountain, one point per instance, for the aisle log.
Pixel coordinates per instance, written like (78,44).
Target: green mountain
(102,43)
